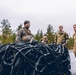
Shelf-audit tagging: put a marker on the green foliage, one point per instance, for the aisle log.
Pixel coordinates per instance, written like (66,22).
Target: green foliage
(50,33)
(13,37)
(70,43)
(6,31)
(39,35)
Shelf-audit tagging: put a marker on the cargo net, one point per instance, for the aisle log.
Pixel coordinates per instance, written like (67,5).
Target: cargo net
(34,59)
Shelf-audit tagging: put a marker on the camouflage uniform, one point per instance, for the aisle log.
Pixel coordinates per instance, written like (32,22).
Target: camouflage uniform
(74,48)
(44,40)
(24,35)
(61,37)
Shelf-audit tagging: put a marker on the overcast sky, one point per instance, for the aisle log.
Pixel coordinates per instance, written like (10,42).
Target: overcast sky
(40,13)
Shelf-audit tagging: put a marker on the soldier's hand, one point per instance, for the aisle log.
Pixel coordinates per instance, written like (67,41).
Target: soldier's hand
(63,44)
(31,40)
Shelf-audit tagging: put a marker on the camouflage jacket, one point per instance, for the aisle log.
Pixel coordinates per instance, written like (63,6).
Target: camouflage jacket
(74,38)
(24,35)
(61,37)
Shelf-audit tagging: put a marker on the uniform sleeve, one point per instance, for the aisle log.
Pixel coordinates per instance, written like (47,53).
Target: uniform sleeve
(27,36)
(66,38)
(19,35)
(55,38)
(40,39)
(73,39)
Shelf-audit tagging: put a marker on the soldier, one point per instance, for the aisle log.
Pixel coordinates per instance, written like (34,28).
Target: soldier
(44,39)
(61,37)
(74,38)
(24,34)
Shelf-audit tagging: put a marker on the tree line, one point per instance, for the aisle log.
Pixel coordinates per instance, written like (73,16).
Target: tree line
(8,35)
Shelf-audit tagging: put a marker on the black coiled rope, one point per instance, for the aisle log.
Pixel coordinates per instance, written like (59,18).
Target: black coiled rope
(34,59)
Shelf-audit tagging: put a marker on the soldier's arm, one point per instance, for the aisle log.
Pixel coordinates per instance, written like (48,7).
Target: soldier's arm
(66,38)
(40,39)
(55,38)
(19,36)
(47,41)
(73,39)
(27,37)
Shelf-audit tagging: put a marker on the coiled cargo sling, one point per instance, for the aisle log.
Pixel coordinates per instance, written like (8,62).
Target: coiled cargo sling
(34,59)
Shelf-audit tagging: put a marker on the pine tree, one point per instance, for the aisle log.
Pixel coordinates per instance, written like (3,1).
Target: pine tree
(39,35)
(13,37)
(50,34)
(6,31)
